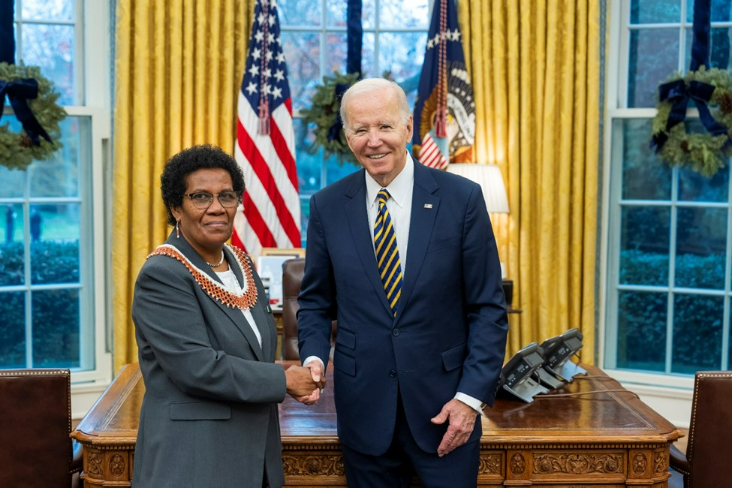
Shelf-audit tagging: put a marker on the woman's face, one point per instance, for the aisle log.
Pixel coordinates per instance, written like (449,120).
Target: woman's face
(206,229)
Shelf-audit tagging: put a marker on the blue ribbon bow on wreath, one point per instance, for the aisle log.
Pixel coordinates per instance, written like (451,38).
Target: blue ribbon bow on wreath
(19,92)
(678,93)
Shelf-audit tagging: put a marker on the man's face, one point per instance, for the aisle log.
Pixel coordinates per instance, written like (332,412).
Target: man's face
(377,134)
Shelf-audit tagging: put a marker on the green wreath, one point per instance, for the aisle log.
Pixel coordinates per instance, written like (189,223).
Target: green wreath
(16,149)
(704,153)
(323,114)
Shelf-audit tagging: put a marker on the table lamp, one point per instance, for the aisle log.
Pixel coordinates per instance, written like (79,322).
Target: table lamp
(488,176)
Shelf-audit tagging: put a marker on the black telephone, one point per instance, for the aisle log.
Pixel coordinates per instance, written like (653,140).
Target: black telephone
(517,375)
(557,351)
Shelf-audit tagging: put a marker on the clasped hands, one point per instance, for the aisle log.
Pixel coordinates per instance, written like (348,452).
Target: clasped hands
(304,383)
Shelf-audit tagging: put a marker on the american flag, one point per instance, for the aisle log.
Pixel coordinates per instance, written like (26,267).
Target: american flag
(265,142)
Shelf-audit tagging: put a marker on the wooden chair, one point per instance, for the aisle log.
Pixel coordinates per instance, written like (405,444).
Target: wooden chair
(35,421)
(709,450)
(292,273)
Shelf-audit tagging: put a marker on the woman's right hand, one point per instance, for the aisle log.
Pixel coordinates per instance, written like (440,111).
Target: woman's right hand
(299,381)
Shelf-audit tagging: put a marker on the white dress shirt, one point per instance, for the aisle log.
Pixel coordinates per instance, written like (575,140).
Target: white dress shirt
(232,284)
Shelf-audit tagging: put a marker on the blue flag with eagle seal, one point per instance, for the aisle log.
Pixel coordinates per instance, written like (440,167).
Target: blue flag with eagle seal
(444,112)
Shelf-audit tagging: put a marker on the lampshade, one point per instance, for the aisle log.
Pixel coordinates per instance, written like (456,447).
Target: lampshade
(488,176)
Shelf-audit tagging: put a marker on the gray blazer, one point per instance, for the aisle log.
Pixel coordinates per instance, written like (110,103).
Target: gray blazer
(209,415)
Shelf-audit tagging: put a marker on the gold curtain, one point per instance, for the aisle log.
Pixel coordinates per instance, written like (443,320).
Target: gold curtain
(178,69)
(535,69)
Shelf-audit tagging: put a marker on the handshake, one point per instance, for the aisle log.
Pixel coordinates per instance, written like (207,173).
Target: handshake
(304,383)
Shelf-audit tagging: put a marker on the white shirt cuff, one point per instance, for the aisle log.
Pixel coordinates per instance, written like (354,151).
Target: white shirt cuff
(310,359)
(473,403)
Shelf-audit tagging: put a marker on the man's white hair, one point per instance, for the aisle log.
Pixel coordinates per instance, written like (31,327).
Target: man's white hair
(370,85)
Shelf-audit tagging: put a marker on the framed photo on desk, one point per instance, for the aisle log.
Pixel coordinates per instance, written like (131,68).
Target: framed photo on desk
(269,267)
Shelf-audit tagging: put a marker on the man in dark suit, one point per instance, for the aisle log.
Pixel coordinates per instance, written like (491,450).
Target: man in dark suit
(404,257)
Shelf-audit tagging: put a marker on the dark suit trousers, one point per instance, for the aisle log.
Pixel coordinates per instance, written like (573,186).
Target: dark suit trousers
(404,458)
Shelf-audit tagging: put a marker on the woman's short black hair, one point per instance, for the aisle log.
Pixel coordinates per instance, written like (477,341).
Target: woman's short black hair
(177,168)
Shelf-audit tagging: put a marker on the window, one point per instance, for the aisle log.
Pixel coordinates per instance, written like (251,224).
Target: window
(314,40)
(52,253)
(669,238)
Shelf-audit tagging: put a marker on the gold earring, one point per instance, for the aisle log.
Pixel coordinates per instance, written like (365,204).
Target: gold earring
(177,230)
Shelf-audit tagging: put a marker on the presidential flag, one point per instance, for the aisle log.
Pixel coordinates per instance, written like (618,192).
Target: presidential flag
(265,142)
(444,112)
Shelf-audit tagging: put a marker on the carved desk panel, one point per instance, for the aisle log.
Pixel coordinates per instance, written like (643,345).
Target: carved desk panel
(605,437)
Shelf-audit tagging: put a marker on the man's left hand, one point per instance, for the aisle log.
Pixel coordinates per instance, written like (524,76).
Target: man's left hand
(461,422)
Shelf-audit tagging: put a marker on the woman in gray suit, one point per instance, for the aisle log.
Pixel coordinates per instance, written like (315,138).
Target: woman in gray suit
(207,342)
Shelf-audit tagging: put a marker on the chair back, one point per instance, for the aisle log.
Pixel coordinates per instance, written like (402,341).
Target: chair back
(709,449)
(35,421)
(292,273)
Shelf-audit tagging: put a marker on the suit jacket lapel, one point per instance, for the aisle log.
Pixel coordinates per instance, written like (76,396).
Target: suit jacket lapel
(358,222)
(234,314)
(425,206)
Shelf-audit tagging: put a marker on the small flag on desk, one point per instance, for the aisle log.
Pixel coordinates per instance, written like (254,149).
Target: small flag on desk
(265,142)
(444,113)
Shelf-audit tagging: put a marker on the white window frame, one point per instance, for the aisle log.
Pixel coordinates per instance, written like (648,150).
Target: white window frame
(96,67)
(92,70)
(669,394)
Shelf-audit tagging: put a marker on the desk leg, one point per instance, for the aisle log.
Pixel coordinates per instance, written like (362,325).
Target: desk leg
(107,467)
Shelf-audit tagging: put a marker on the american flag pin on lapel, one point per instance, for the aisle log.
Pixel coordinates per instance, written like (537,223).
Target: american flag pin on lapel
(427,205)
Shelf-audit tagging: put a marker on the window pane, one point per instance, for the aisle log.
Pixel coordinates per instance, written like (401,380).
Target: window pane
(59,176)
(642,330)
(697,188)
(721,11)
(12,330)
(645,176)
(700,247)
(12,250)
(51,47)
(402,54)
(12,182)
(304,217)
(653,57)
(404,13)
(302,52)
(719,41)
(299,12)
(55,328)
(368,13)
(337,13)
(55,233)
(644,245)
(697,333)
(655,11)
(48,10)
(335,171)
(12,229)
(309,163)
(336,53)
(368,56)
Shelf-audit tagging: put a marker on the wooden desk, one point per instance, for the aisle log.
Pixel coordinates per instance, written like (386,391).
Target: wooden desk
(608,439)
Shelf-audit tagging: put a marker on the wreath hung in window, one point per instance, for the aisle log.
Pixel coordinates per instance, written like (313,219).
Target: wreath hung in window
(34,103)
(711,91)
(324,114)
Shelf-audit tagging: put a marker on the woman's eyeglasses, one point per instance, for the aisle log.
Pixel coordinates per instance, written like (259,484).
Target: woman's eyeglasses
(204,199)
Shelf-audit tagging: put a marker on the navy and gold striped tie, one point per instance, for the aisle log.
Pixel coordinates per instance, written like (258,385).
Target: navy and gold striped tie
(387,252)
